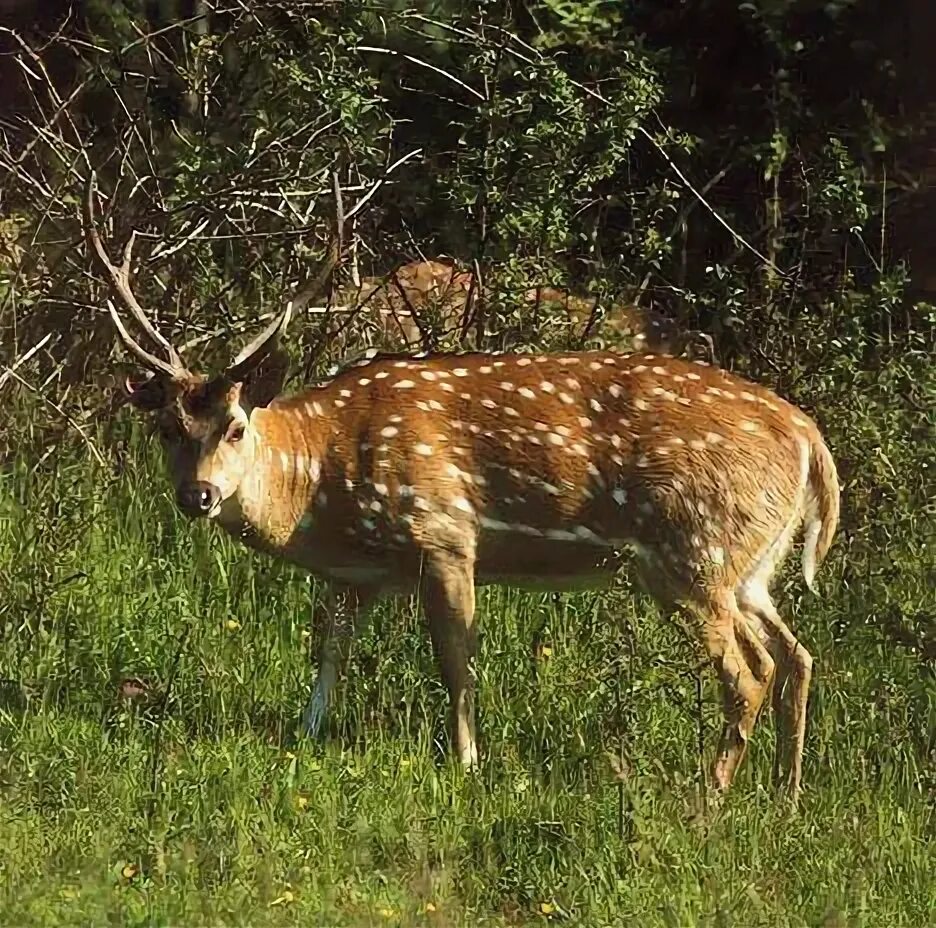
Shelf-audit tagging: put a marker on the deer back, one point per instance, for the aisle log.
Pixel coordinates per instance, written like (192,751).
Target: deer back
(539,468)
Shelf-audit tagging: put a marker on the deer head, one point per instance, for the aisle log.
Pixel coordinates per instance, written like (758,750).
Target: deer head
(204,423)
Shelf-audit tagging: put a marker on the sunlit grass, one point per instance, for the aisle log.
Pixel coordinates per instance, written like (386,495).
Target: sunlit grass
(150,773)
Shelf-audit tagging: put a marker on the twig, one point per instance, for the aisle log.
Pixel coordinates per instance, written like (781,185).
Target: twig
(422,64)
(179,244)
(360,203)
(679,173)
(11,373)
(19,362)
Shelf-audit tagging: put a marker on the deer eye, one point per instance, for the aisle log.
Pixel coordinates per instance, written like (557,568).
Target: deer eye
(234,433)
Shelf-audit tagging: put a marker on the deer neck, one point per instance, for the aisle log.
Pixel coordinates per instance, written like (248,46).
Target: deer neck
(281,482)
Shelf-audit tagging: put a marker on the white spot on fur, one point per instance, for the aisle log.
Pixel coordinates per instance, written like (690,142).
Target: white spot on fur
(404,385)
(389,432)
(423,449)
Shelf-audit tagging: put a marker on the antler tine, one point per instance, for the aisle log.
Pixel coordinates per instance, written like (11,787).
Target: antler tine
(148,360)
(120,283)
(252,354)
(255,351)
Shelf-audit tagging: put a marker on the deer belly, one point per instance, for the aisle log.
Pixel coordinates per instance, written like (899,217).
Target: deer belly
(545,564)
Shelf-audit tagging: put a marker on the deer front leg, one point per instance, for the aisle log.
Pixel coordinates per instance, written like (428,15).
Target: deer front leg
(336,619)
(448,597)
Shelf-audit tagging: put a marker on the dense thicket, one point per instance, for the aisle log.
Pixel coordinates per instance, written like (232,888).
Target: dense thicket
(758,169)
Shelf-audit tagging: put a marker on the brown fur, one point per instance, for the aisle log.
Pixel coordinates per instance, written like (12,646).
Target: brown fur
(435,474)
(423,303)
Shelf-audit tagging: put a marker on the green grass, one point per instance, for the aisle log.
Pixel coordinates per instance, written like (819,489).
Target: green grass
(195,805)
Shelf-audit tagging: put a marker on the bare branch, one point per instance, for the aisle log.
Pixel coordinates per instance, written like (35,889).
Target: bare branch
(20,361)
(423,64)
(9,372)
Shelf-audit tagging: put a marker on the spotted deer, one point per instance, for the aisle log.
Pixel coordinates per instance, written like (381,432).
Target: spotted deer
(424,301)
(436,474)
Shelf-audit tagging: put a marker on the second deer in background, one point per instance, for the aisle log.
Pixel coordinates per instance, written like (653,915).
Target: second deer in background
(424,304)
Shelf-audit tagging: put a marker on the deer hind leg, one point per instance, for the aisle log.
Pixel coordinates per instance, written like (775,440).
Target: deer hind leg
(778,652)
(336,619)
(448,597)
(745,669)
(791,689)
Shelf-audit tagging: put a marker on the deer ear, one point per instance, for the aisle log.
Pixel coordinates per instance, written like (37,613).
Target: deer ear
(265,382)
(149,394)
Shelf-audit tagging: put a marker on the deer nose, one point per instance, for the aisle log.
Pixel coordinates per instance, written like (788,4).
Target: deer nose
(198,498)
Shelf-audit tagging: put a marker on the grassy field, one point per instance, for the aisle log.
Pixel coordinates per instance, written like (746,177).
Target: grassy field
(149,773)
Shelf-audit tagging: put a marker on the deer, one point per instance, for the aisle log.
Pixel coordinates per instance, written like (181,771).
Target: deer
(420,301)
(438,473)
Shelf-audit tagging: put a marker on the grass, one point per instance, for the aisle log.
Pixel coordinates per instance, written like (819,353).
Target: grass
(185,799)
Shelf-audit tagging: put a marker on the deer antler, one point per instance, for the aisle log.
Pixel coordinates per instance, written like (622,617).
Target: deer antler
(120,284)
(253,353)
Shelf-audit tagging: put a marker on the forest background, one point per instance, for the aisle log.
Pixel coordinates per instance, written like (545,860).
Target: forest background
(761,171)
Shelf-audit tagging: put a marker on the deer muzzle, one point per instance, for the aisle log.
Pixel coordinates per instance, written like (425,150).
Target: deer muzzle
(199,498)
